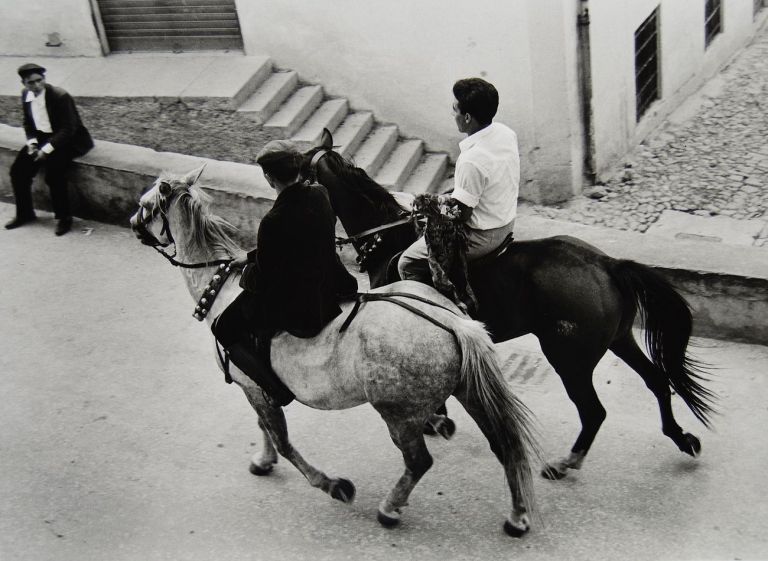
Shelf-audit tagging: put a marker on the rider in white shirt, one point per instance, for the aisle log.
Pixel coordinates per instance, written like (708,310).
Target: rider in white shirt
(486,181)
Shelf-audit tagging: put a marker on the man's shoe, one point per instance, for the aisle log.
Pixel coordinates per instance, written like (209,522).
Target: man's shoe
(20,221)
(64,226)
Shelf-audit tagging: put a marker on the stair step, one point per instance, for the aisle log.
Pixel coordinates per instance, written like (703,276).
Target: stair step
(133,11)
(174,33)
(429,174)
(296,110)
(165,3)
(268,97)
(190,43)
(400,164)
(327,116)
(176,17)
(173,25)
(351,133)
(376,149)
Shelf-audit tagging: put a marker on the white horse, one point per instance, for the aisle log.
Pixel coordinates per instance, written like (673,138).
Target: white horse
(402,364)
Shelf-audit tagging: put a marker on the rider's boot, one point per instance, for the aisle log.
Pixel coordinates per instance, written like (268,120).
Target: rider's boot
(275,392)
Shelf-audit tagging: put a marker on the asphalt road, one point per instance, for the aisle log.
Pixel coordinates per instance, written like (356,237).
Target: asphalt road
(120,441)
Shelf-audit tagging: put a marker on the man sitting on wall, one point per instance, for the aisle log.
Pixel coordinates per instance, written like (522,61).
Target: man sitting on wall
(55,136)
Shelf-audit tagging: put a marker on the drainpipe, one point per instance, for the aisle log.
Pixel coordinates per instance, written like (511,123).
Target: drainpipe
(585,87)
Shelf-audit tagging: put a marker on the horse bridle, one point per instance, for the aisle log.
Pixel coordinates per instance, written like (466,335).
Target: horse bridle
(353,239)
(148,238)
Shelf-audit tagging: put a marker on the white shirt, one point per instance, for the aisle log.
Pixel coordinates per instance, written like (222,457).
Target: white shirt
(40,117)
(487,176)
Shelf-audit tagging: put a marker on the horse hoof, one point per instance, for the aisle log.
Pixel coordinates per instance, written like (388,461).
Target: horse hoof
(514,531)
(429,430)
(447,429)
(343,490)
(388,521)
(552,473)
(258,470)
(691,445)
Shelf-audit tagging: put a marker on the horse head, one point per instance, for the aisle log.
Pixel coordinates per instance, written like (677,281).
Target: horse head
(150,223)
(359,202)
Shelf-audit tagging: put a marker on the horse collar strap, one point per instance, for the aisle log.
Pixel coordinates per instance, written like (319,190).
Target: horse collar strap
(363,297)
(211,291)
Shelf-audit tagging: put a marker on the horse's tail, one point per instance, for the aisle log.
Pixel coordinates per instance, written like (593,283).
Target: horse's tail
(508,419)
(666,317)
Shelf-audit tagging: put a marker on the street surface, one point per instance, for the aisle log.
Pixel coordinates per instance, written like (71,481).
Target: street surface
(120,441)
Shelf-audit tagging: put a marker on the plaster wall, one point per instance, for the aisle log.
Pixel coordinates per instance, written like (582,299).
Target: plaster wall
(400,58)
(26,25)
(685,63)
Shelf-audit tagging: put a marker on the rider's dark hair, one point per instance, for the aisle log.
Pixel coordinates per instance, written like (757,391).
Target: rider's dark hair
(478,98)
(280,159)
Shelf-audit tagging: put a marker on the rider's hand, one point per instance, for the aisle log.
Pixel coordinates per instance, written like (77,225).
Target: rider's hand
(239,262)
(31,149)
(40,156)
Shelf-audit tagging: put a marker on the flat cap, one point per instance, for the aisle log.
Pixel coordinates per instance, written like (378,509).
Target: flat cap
(30,68)
(277,150)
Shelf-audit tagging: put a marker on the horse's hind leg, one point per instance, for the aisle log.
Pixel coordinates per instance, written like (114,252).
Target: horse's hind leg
(575,366)
(628,350)
(407,435)
(263,462)
(273,420)
(518,522)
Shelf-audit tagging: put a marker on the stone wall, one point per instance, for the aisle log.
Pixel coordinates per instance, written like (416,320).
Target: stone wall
(108,181)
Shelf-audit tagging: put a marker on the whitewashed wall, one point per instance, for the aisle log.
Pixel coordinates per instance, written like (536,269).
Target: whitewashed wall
(685,64)
(26,24)
(400,58)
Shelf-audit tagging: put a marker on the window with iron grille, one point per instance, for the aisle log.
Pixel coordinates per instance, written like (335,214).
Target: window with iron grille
(713,20)
(647,65)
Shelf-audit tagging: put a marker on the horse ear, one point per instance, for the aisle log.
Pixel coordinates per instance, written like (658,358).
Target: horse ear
(326,140)
(192,177)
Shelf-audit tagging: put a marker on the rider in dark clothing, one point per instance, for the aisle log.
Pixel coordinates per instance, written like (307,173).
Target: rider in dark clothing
(293,280)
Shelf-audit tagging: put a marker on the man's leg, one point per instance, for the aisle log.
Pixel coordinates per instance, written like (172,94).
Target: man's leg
(233,329)
(57,168)
(483,242)
(22,173)
(413,263)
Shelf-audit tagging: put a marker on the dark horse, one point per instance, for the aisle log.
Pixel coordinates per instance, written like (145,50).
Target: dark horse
(577,300)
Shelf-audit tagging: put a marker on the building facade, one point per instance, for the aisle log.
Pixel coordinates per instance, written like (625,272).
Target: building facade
(581,81)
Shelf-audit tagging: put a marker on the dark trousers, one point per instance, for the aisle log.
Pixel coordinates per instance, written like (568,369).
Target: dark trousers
(56,167)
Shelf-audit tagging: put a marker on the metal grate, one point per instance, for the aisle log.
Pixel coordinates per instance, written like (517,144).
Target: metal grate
(713,20)
(171,25)
(647,63)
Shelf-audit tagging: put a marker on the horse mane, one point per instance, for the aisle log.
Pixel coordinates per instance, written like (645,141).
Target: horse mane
(204,229)
(352,176)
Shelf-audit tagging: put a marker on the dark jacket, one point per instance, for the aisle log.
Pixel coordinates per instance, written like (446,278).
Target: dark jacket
(294,272)
(68,130)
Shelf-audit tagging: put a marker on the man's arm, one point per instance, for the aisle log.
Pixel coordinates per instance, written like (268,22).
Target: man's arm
(66,121)
(29,126)
(468,187)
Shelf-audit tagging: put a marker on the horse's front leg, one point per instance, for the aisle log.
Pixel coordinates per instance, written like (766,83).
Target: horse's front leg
(272,420)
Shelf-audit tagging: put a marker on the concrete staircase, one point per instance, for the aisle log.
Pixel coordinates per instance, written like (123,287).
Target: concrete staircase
(301,111)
